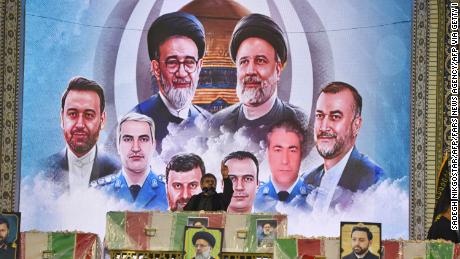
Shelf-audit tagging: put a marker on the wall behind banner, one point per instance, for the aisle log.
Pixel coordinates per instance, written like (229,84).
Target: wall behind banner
(368,43)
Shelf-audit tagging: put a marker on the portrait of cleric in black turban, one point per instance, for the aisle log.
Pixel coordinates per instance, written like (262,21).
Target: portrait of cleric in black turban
(202,243)
(258,48)
(176,45)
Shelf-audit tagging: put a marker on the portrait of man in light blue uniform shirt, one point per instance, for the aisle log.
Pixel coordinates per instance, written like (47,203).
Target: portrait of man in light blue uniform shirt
(285,149)
(136,183)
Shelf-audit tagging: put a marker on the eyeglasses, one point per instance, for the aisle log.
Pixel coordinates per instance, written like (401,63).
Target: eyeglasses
(173,65)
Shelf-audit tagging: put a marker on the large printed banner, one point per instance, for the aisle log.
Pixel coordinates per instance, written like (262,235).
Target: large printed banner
(306,103)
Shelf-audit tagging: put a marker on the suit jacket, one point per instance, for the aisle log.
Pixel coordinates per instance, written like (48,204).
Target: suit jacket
(155,108)
(220,201)
(56,167)
(359,174)
(232,119)
(369,255)
(152,195)
(267,197)
(8,251)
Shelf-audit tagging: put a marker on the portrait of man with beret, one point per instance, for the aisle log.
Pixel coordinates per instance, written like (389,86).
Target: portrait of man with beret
(259,50)
(176,45)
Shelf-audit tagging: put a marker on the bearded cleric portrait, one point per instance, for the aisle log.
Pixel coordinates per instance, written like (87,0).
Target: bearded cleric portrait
(203,242)
(259,50)
(81,162)
(176,45)
(344,170)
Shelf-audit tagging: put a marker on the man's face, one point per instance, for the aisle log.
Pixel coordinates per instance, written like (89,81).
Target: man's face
(177,86)
(284,157)
(136,146)
(82,120)
(181,186)
(198,224)
(267,229)
(208,182)
(336,127)
(257,71)
(243,174)
(359,242)
(3,233)
(202,248)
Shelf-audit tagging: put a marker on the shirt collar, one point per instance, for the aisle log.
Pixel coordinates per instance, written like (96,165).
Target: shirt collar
(81,161)
(289,190)
(361,256)
(340,166)
(141,181)
(181,113)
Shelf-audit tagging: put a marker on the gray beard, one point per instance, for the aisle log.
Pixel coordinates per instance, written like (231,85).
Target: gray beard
(204,255)
(332,152)
(256,96)
(177,97)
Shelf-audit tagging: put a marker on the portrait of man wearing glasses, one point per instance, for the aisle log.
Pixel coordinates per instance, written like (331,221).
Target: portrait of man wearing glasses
(176,45)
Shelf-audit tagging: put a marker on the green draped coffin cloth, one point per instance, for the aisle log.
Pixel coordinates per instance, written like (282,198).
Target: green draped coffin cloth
(63,245)
(286,248)
(164,231)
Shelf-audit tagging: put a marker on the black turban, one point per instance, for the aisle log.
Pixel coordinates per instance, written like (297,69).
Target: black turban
(259,26)
(177,23)
(205,236)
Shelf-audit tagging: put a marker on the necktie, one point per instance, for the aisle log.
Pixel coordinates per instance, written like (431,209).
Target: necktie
(283,195)
(134,189)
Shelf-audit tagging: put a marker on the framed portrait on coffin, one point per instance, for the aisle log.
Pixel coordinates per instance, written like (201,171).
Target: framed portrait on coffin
(201,242)
(360,240)
(9,235)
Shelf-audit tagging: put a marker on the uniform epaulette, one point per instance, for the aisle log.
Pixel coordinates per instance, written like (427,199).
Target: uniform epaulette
(264,187)
(104,180)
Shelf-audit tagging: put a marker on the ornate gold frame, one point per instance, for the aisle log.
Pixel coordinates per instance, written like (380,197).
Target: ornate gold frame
(429,128)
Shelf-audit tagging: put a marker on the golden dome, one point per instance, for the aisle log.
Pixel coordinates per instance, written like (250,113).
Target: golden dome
(219,17)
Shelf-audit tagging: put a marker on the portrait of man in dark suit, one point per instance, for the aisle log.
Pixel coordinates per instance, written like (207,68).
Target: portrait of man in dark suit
(8,237)
(361,241)
(81,163)
(344,170)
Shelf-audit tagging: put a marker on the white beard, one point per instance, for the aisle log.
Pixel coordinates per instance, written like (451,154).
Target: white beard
(256,96)
(204,255)
(178,97)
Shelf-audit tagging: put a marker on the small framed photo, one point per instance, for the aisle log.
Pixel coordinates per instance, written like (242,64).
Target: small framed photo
(200,242)
(9,235)
(198,222)
(266,232)
(360,240)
